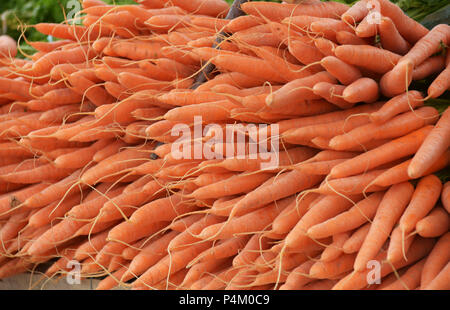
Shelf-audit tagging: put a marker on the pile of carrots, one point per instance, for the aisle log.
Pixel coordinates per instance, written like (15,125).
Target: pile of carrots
(87,171)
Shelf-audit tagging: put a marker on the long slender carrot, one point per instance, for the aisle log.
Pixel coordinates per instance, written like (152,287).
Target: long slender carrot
(409,280)
(445,196)
(302,88)
(434,224)
(275,188)
(354,243)
(399,173)
(441,281)
(324,209)
(358,280)
(398,126)
(434,145)
(423,200)
(408,145)
(389,211)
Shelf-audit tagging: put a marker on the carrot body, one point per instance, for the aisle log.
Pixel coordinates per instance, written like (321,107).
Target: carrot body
(445,196)
(434,145)
(389,211)
(398,126)
(367,57)
(423,200)
(356,216)
(434,224)
(410,144)
(436,260)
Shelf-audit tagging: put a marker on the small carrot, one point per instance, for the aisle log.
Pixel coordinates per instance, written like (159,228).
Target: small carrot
(275,188)
(399,173)
(331,269)
(434,224)
(356,216)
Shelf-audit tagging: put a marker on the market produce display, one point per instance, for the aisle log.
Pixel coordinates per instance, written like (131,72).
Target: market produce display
(308,159)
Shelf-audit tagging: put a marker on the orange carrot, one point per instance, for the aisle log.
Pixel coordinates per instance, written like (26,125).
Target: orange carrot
(326,208)
(357,280)
(430,66)
(445,196)
(423,200)
(401,103)
(343,72)
(441,281)
(278,11)
(275,188)
(356,216)
(410,29)
(399,173)
(441,83)
(410,279)
(434,145)
(250,222)
(398,126)
(436,260)
(349,38)
(367,57)
(389,211)
(290,92)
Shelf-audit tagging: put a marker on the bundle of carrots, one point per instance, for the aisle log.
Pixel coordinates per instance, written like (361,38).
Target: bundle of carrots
(88,173)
